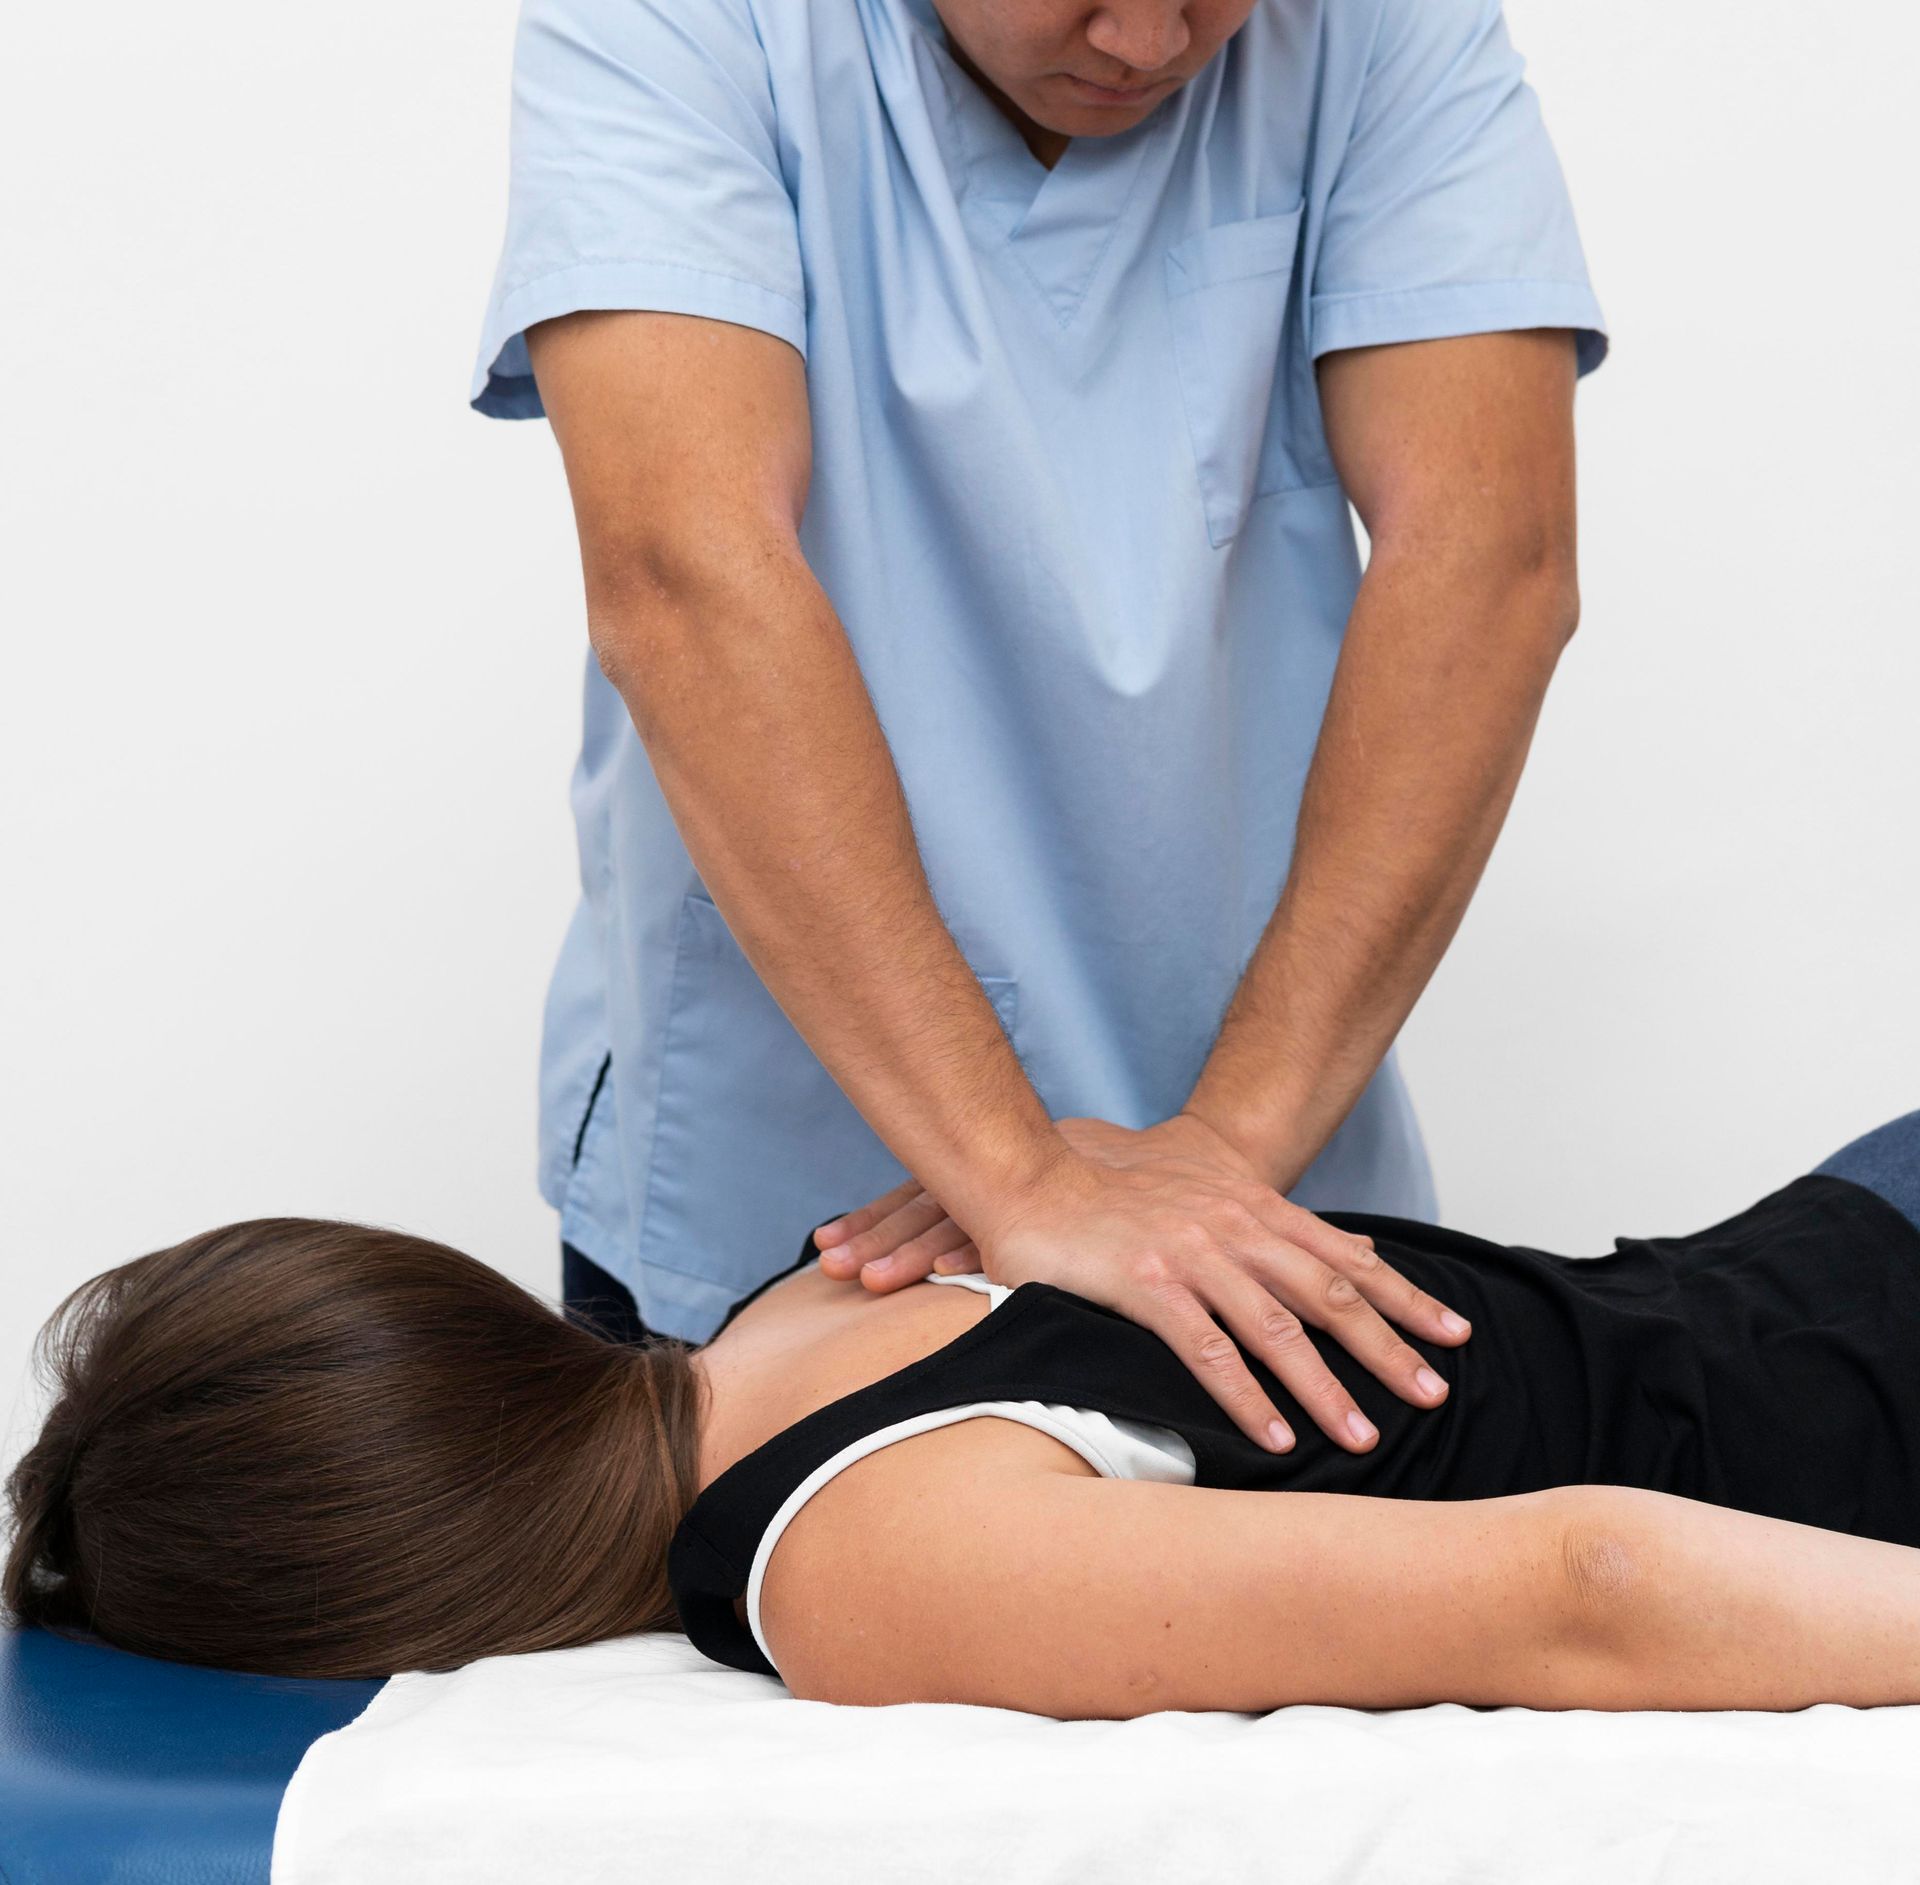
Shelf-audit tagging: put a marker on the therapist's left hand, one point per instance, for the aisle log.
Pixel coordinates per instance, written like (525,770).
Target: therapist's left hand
(905,1234)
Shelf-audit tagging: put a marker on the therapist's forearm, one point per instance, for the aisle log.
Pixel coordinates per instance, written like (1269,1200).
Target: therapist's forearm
(753,711)
(1439,686)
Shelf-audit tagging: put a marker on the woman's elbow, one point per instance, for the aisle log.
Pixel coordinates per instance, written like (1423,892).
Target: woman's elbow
(1596,1589)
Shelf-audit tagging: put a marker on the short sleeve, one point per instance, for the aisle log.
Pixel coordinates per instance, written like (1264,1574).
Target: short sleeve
(644,173)
(1448,213)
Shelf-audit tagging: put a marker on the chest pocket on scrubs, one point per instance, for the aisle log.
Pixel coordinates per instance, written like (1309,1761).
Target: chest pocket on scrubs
(1252,406)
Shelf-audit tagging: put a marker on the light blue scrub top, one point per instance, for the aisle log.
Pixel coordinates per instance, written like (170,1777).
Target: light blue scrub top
(1072,500)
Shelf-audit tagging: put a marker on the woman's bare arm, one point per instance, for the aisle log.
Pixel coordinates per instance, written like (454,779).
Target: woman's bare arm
(985,1563)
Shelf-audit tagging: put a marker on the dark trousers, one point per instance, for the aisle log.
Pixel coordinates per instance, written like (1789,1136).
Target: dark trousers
(595,1300)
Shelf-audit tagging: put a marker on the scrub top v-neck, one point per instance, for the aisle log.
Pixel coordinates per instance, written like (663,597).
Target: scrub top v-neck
(1056,223)
(1071,499)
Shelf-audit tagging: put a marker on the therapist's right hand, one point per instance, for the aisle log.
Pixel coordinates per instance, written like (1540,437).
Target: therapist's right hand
(1207,1260)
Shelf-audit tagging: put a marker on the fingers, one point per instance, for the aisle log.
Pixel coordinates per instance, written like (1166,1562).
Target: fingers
(1376,1279)
(1267,1292)
(1312,1233)
(1262,1326)
(876,1229)
(1269,1329)
(917,1257)
(837,1230)
(1180,1320)
(961,1261)
(897,1239)
(1299,1289)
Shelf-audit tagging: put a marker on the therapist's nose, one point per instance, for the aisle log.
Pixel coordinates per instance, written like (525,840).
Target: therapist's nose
(1143,35)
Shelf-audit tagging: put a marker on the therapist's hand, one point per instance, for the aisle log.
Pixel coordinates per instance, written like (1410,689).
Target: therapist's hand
(1173,1228)
(905,1233)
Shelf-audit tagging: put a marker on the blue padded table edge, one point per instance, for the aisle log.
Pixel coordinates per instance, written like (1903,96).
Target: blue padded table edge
(119,1767)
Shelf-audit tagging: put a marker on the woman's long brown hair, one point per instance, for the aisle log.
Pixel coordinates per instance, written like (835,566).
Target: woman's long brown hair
(314,1448)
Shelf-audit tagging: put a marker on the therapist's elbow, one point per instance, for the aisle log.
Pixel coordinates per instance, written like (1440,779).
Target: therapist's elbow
(1529,565)
(1542,574)
(659,587)
(1521,578)
(1552,601)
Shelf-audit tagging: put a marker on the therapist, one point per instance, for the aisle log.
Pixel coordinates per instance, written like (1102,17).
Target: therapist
(1003,796)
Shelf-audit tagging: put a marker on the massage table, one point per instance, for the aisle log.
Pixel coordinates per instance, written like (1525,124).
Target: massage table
(637,1759)
(120,1768)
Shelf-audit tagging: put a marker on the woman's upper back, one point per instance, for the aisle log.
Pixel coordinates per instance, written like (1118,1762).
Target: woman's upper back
(1679,1364)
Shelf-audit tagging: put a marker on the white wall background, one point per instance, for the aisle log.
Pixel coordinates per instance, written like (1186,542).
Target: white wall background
(292,646)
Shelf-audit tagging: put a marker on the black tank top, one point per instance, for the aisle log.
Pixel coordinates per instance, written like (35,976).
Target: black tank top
(1767,1362)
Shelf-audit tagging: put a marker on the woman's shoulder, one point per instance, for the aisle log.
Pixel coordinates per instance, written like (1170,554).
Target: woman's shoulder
(918,1500)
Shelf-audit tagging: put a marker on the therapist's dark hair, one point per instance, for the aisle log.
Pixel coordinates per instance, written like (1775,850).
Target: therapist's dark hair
(312,1448)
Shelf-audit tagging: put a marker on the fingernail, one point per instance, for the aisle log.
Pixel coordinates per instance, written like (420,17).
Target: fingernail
(879,1266)
(1280,1435)
(1430,1383)
(832,1224)
(1361,1427)
(1453,1324)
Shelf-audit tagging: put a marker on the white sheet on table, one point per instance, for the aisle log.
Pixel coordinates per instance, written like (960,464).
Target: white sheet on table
(639,1760)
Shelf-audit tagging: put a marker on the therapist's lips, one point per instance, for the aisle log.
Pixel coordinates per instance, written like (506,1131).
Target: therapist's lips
(1108,95)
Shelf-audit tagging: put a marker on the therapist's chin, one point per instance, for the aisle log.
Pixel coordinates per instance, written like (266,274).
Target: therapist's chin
(1077,109)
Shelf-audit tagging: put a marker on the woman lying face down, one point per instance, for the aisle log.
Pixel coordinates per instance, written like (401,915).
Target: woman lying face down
(1682,1475)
